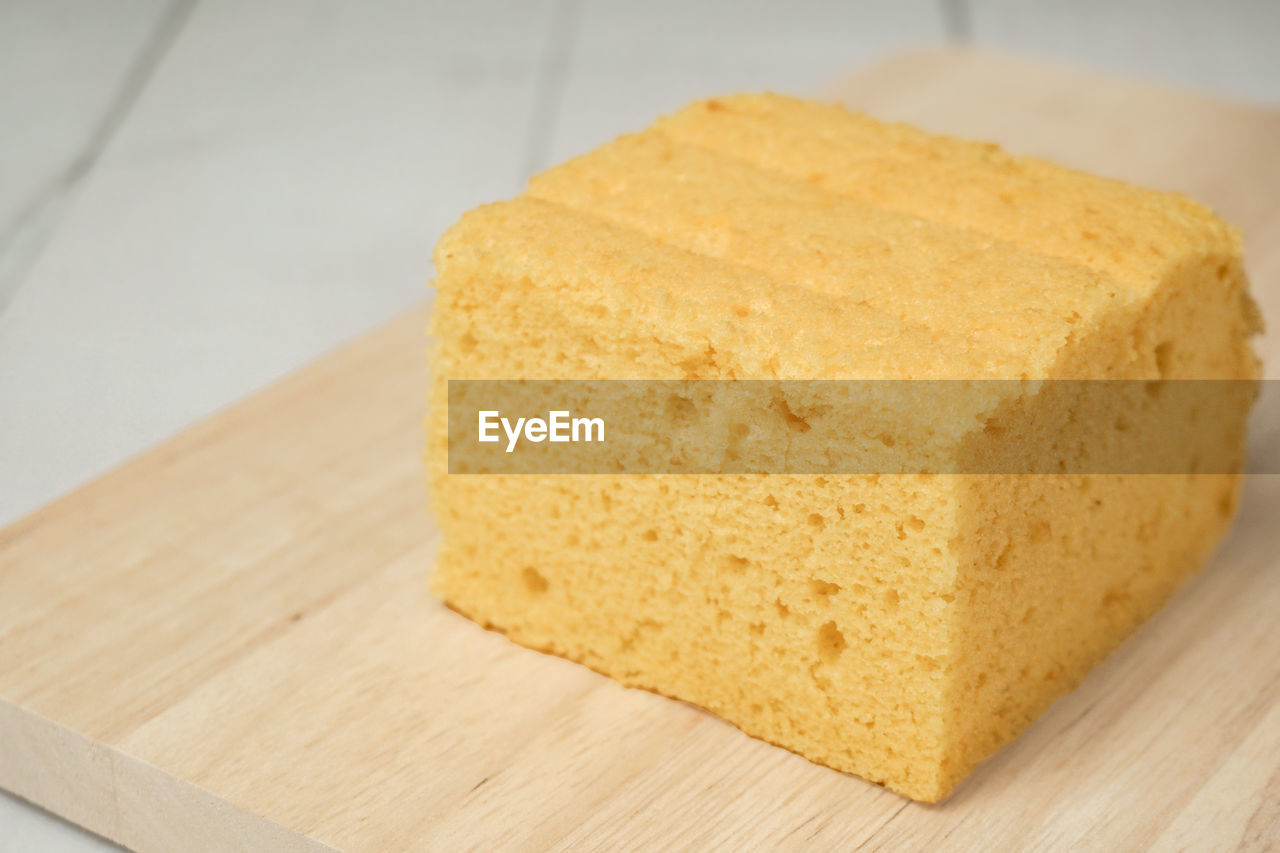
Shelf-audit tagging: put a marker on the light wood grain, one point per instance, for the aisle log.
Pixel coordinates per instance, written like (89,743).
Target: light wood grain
(226,644)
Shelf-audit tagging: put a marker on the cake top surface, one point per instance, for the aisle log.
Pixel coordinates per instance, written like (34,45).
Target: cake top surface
(1111,226)
(800,240)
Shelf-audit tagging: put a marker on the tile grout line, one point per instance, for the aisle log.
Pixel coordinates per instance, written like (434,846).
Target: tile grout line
(956,21)
(553,72)
(25,236)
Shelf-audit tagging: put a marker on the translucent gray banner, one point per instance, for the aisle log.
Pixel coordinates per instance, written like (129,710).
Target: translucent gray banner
(861,426)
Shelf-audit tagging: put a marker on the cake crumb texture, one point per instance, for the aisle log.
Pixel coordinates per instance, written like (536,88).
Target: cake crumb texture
(897,627)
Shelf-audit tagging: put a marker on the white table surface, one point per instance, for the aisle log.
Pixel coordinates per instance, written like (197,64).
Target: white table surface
(198,196)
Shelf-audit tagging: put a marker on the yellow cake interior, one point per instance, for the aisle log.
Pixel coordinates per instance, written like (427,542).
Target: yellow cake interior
(898,627)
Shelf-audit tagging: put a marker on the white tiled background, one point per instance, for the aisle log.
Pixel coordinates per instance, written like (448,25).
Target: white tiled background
(197,196)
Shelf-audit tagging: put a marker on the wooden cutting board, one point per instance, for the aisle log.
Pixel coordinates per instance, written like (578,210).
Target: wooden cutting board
(227,644)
